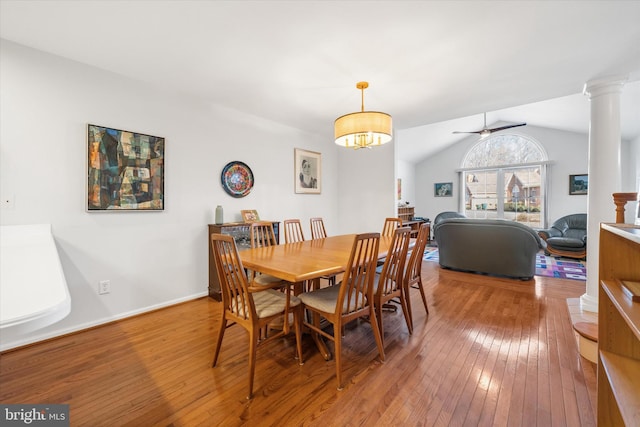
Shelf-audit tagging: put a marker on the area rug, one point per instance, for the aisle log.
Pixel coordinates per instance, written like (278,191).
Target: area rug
(562,268)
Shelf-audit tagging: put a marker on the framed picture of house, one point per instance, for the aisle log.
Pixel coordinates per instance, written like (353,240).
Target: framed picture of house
(443,189)
(578,184)
(307,171)
(250,215)
(125,170)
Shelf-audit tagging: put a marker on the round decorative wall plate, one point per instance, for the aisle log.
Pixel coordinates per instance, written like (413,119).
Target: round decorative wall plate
(237,179)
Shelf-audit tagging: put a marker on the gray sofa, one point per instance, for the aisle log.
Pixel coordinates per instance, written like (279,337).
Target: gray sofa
(497,247)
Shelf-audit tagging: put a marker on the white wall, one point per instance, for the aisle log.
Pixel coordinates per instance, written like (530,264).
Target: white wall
(630,161)
(366,189)
(156,258)
(568,152)
(407,173)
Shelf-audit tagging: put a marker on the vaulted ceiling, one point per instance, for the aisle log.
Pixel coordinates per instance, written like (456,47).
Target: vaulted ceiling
(429,63)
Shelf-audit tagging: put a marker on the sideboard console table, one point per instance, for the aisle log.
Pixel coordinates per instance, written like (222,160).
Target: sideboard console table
(240,233)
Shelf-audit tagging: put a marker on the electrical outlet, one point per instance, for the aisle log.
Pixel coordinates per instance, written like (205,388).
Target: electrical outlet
(8,202)
(104,287)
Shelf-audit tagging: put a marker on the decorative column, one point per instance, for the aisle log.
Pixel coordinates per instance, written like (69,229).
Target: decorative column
(604,172)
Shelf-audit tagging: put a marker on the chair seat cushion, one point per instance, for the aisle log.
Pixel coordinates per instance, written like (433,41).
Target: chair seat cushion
(266,279)
(271,302)
(325,299)
(376,283)
(567,243)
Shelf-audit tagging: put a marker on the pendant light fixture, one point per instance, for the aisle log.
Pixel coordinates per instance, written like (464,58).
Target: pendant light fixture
(364,129)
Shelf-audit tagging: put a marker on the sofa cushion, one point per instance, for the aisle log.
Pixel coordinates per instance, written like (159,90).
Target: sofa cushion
(566,243)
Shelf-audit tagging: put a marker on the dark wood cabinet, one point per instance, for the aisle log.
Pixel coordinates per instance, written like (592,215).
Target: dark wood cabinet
(240,233)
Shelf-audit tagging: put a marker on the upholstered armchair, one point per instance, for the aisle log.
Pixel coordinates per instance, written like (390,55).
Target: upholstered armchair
(446,215)
(567,237)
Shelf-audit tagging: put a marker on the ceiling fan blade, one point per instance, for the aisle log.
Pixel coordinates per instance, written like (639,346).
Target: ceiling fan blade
(458,131)
(506,127)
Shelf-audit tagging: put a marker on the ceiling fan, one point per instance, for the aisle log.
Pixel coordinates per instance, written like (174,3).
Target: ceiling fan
(485,131)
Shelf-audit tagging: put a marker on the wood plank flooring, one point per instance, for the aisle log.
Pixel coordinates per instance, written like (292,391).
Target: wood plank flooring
(492,352)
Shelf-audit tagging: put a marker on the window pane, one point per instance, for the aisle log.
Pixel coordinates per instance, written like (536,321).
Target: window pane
(495,187)
(481,199)
(522,196)
(502,150)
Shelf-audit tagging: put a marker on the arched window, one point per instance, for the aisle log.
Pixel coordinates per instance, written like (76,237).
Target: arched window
(503,176)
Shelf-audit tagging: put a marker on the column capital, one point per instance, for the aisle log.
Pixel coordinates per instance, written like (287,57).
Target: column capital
(604,85)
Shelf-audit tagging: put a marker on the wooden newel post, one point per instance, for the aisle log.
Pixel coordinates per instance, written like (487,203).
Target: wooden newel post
(620,200)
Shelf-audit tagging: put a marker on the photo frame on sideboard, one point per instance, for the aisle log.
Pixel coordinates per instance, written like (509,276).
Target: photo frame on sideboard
(250,215)
(578,184)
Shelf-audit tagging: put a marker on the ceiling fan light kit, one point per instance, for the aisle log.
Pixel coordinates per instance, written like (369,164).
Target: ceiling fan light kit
(363,129)
(485,131)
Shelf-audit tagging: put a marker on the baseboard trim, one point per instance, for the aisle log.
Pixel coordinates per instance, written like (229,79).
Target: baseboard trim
(31,340)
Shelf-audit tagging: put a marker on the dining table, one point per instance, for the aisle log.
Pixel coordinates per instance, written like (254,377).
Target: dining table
(307,261)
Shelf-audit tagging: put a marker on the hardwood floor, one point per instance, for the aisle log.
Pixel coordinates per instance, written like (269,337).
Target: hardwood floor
(492,352)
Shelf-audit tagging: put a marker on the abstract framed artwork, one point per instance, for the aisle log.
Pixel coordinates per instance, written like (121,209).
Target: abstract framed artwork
(443,189)
(307,171)
(125,170)
(578,184)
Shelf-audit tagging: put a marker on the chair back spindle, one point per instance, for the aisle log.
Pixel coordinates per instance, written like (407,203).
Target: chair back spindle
(293,231)
(261,234)
(390,225)
(317,228)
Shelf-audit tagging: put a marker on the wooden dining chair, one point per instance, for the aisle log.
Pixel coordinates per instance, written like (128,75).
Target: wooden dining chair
(413,270)
(261,234)
(317,228)
(350,300)
(248,305)
(319,232)
(293,231)
(388,285)
(292,234)
(390,225)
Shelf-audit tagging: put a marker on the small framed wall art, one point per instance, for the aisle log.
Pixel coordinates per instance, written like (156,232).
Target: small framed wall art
(125,170)
(443,189)
(578,184)
(307,171)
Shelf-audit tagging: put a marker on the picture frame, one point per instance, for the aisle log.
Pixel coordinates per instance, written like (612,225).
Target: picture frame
(636,221)
(250,215)
(307,171)
(443,189)
(637,218)
(125,170)
(578,184)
